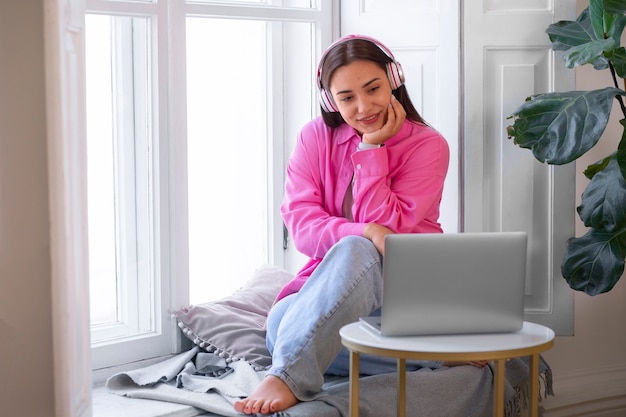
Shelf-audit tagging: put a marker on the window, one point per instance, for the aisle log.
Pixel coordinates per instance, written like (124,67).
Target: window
(192,110)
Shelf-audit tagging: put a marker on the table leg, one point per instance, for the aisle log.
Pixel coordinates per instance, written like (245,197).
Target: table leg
(354,384)
(498,388)
(401,387)
(534,385)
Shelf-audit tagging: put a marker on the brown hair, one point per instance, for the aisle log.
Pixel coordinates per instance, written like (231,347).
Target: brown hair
(349,51)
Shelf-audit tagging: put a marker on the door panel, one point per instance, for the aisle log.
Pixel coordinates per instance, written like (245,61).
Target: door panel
(507,58)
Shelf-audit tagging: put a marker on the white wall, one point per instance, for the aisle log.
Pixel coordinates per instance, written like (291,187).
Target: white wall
(26,386)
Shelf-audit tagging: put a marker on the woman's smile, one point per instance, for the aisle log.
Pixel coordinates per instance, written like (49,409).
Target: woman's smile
(369,120)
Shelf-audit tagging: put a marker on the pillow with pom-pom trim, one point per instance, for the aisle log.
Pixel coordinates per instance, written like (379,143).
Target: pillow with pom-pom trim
(234,327)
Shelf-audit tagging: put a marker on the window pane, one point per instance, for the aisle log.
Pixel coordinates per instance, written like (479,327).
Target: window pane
(119,181)
(101,194)
(235,1)
(227,154)
(134,1)
(306,4)
(303,4)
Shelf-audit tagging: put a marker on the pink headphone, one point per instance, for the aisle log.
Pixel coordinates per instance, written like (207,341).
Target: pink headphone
(394,71)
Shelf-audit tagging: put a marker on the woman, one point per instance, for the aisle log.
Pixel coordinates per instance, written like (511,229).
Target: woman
(368,167)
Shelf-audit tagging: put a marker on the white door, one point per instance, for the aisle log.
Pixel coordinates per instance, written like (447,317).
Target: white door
(466,84)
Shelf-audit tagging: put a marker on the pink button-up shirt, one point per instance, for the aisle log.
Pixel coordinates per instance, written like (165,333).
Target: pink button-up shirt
(398,186)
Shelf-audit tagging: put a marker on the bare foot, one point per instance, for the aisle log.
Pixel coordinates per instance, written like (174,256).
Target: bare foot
(271,396)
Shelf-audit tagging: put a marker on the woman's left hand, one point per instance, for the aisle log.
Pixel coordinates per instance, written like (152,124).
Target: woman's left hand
(376,233)
(395,118)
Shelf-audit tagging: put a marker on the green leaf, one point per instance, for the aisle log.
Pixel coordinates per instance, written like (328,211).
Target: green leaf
(594,262)
(596,12)
(607,22)
(616,28)
(588,53)
(614,6)
(621,150)
(593,169)
(603,203)
(621,160)
(567,34)
(560,127)
(618,58)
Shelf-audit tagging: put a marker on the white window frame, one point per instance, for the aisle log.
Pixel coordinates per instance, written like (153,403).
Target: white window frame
(143,330)
(170,248)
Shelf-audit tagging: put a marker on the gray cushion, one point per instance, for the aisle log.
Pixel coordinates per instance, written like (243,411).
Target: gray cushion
(234,327)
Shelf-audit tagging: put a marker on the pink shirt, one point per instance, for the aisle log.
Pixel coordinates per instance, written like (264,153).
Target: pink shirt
(398,186)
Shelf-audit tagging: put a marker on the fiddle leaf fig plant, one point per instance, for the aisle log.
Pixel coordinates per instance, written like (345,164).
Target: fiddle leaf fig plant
(559,127)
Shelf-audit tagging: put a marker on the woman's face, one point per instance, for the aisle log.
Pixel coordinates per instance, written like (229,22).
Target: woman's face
(362,93)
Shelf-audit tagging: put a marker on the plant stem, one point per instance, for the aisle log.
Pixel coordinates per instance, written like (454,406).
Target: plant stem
(618,97)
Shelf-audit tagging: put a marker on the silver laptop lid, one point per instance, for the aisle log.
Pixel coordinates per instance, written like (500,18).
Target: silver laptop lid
(453,283)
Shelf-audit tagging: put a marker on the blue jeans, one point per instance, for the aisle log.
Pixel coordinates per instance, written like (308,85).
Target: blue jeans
(303,328)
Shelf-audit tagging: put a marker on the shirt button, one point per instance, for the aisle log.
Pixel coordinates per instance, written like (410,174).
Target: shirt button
(358,166)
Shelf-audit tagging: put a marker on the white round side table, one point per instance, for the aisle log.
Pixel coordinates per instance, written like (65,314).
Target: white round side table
(531,340)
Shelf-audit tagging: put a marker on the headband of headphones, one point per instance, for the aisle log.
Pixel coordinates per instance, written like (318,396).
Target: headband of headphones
(394,71)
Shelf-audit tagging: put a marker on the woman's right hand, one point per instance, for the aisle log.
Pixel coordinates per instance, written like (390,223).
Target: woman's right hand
(395,118)
(376,233)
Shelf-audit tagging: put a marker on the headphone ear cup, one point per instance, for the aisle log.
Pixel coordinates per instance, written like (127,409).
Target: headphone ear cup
(326,101)
(395,74)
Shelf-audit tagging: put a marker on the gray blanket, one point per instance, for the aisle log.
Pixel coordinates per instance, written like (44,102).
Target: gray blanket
(207,381)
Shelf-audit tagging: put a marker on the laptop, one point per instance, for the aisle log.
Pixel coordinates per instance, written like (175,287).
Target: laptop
(452,283)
